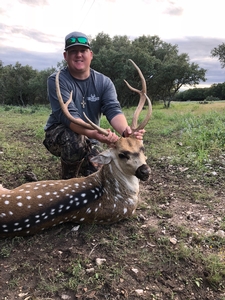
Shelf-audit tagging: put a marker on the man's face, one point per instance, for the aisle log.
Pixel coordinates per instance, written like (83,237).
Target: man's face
(78,58)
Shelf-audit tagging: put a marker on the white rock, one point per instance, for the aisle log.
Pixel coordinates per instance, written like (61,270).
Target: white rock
(100,261)
(135,270)
(139,292)
(220,233)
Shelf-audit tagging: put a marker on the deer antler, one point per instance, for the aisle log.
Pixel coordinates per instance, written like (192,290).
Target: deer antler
(143,97)
(80,122)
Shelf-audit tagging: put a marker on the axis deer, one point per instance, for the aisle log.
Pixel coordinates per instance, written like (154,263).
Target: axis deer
(107,196)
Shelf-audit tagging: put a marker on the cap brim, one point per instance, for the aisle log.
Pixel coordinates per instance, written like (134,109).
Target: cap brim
(78,44)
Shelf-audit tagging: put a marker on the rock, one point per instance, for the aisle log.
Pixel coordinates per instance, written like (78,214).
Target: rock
(139,292)
(220,233)
(173,241)
(100,261)
(65,297)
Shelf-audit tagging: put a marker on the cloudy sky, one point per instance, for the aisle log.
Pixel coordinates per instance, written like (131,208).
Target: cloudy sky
(32,31)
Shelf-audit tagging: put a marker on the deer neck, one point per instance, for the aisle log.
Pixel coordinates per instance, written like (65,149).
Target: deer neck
(115,179)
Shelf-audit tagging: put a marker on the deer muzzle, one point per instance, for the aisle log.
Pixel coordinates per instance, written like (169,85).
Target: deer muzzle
(143,172)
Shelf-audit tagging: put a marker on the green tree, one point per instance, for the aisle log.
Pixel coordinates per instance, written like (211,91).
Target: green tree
(38,86)
(220,53)
(22,85)
(164,69)
(102,41)
(15,83)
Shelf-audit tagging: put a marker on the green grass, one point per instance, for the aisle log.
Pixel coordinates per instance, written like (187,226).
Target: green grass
(188,136)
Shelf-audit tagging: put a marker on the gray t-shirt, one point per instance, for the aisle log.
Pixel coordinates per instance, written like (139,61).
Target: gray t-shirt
(95,95)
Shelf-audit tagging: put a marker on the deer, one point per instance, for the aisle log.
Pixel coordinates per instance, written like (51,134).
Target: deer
(105,197)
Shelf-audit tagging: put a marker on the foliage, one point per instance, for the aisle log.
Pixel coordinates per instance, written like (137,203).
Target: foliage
(220,53)
(216,91)
(164,69)
(22,85)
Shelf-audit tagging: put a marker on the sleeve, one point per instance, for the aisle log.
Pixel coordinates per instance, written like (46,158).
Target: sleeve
(110,104)
(65,90)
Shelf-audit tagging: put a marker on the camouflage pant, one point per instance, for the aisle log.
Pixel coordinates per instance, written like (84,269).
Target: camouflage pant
(61,141)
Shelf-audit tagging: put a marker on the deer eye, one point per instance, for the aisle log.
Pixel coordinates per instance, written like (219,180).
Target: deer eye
(124,155)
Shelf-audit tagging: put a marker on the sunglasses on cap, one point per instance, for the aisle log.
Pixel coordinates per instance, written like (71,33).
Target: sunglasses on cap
(74,40)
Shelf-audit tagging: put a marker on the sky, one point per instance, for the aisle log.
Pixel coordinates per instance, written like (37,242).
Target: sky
(32,32)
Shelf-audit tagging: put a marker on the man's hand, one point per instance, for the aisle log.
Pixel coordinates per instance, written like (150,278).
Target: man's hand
(138,134)
(110,139)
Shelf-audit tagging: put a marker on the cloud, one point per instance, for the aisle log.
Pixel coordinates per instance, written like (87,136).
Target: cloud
(173,9)
(34,2)
(37,60)
(26,32)
(28,41)
(199,51)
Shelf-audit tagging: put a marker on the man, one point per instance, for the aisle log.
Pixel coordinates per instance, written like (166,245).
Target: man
(94,94)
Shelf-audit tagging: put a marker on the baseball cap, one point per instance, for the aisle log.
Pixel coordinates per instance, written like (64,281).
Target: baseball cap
(76,39)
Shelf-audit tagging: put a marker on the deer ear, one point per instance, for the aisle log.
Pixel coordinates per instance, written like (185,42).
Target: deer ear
(103,158)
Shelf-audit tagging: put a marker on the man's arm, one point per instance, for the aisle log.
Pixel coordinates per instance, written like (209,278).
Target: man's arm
(119,123)
(94,134)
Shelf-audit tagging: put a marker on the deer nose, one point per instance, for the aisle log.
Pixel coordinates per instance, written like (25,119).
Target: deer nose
(143,172)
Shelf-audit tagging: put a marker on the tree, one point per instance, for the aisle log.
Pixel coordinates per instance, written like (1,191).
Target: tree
(22,85)
(167,71)
(220,53)
(164,69)
(38,86)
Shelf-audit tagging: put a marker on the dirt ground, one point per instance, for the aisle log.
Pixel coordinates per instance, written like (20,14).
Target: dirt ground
(153,255)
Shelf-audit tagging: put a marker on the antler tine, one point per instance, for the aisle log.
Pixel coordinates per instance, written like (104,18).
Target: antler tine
(64,107)
(143,97)
(99,129)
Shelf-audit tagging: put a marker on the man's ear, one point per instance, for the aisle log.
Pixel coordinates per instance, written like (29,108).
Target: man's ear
(65,55)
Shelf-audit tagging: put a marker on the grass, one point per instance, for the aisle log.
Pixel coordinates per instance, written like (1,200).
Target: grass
(185,147)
